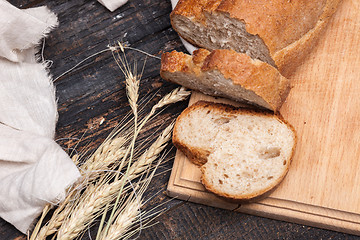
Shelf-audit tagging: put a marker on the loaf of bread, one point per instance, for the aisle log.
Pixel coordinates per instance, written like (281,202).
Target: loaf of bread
(229,74)
(243,154)
(278,32)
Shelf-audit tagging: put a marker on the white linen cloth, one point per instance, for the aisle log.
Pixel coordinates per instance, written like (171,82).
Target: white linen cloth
(112,5)
(34,170)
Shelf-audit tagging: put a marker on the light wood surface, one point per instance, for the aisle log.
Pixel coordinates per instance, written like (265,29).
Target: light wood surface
(322,187)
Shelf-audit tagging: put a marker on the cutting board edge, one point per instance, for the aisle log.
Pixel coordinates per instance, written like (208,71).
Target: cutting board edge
(340,223)
(271,207)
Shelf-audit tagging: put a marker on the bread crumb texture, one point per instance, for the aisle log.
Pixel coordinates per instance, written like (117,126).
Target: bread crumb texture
(250,152)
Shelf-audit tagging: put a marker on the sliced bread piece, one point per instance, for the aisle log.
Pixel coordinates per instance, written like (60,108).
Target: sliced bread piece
(243,154)
(229,74)
(279,32)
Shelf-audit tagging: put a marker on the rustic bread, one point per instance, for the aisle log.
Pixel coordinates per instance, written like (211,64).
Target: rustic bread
(279,32)
(229,74)
(243,154)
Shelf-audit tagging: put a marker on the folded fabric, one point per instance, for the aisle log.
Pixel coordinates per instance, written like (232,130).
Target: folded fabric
(34,170)
(112,5)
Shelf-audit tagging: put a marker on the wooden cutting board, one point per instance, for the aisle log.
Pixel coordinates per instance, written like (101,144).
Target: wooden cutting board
(322,188)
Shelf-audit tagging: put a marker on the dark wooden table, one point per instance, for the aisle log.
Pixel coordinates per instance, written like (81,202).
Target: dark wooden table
(96,90)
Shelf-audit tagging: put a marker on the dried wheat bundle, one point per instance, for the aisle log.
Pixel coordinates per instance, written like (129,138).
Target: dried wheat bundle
(116,175)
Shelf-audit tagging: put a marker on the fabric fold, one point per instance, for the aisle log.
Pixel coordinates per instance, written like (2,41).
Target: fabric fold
(34,170)
(22,29)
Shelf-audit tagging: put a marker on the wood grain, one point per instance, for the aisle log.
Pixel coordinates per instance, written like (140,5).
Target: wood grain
(95,90)
(322,187)
(327,86)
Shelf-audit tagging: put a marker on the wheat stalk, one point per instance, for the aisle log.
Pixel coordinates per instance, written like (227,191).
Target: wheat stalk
(132,90)
(95,161)
(103,158)
(90,206)
(125,220)
(129,212)
(55,222)
(177,95)
(108,153)
(81,206)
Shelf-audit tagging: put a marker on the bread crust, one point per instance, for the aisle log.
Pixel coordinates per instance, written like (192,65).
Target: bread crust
(200,157)
(196,156)
(253,75)
(289,29)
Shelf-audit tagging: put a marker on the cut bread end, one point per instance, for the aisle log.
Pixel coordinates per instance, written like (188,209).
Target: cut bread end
(244,153)
(220,31)
(226,73)
(280,33)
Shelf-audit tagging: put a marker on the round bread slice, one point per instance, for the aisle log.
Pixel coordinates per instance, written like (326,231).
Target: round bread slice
(243,153)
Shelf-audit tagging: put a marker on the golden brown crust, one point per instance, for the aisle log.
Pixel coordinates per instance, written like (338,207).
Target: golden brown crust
(289,29)
(251,198)
(174,61)
(195,8)
(193,154)
(290,57)
(252,75)
(196,156)
(278,22)
(181,62)
(257,76)
(199,56)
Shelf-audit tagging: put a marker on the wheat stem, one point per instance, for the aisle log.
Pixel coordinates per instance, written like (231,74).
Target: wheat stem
(177,95)
(108,49)
(132,87)
(130,212)
(90,206)
(77,211)
(38,224)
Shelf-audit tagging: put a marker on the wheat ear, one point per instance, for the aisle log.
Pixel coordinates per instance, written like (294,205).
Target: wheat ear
(110,151)
(129,212)
(176,95)
(103,158)
(132,91)
(62,212)
(125,220)
(90,206)
(94,164)
(54,223)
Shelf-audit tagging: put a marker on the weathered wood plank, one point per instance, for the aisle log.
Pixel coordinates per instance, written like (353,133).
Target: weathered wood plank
(96,90)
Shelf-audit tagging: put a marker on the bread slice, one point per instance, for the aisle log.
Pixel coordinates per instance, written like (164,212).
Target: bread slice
(279,32)
(243,154)
(229,74)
